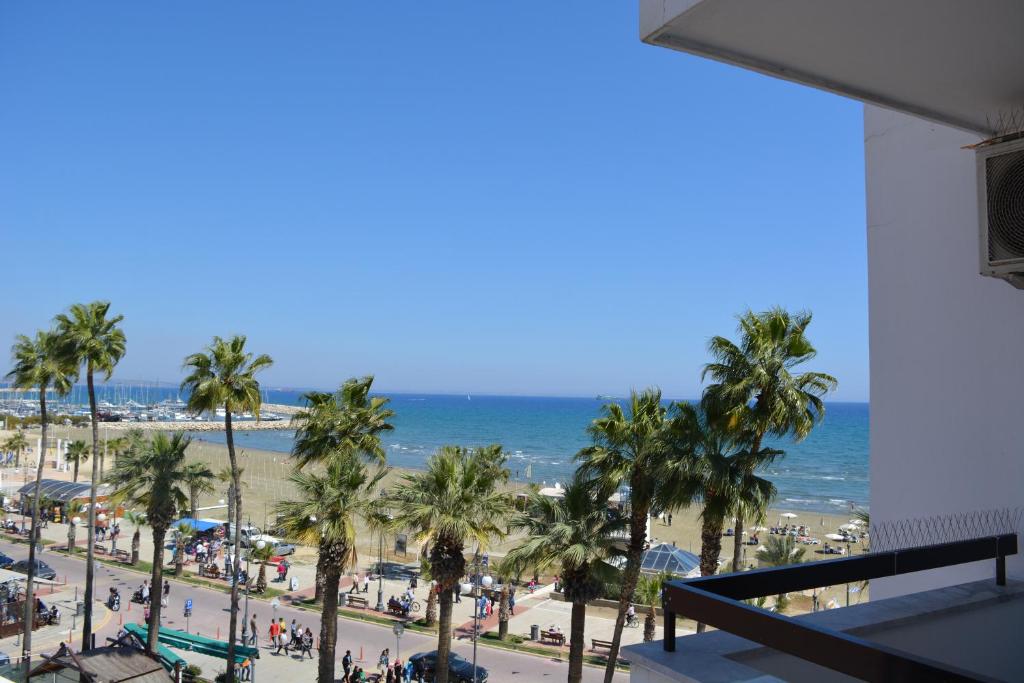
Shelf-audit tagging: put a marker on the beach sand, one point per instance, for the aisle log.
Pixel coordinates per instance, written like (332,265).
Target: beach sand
(265,481)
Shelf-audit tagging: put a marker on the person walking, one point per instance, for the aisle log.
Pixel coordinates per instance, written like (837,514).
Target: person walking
(252,630)
(366,582)
(167,594)
(346,665)
(512,602)
(274,633)
(293,637)
(382,661)
(307,644)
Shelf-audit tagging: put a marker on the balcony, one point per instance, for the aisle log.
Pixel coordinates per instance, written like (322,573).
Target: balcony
(969,632)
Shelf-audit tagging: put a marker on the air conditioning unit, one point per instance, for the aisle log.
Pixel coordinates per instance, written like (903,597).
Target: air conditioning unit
(1001,208)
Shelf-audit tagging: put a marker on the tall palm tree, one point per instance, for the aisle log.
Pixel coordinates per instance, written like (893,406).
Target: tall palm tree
(754,391)
(17,444)
(198,480)
(430,613)
(38,363)
(455,501)
(136,519)
(224,376)
(92,338)
(78,452)
(577,532)
(346,423)
(631,451)
(262,556)
(153,479)
(780,551)
(325,515)
(508,572)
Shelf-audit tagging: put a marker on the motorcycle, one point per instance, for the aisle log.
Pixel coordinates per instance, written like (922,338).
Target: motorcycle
(114,602)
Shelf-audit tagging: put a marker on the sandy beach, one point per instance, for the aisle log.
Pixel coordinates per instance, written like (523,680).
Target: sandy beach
(265,477)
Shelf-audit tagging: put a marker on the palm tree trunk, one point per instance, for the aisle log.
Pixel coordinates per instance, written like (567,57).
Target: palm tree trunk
(577,641)
(710,548)
(649,626)
(76,472)
(179,555)
(193,503)
(319,580)
(233,621)
(329,624)
(503,612)
(634,553)
(156,590)
(444,635)
(135,547)
(90,551)
(30,607)
(737,542)
(430,616)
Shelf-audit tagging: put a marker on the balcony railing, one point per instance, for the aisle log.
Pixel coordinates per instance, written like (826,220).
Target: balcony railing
(716,601)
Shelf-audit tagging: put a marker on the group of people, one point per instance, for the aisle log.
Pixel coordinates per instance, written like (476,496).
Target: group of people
(285,637)
(47,615)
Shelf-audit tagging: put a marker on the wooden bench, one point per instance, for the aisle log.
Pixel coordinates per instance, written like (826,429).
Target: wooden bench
(100,548)
(595,643)
(357,601)
(121,555)
(554,636)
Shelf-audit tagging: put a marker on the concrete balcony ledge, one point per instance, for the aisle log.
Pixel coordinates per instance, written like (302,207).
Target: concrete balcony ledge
(975,626)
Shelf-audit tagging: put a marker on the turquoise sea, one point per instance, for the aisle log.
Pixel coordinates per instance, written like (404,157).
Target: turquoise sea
(824,473)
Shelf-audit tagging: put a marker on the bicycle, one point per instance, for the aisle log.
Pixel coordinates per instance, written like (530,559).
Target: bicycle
(632,621)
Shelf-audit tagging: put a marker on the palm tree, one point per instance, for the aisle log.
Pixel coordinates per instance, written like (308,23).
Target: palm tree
(153,480)
(262,556)
(198,480)
(325,514)
(631,451)
(508,572)
(346,423)
(780,551)
(183,533)
(224,376)
(136,519)
(577,532)
(648,593)
(41,364)
(754,391)
(457,499)
(94,340)
(17,443)
(78,452)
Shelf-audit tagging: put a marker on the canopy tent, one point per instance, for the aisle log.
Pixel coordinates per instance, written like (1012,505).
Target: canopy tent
(62,491)
(666,557)
(198,524)
(112,664)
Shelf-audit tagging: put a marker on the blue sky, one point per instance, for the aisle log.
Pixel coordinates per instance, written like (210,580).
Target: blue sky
(456,197)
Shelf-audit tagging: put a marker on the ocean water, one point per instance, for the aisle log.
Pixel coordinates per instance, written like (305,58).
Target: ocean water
(826,472)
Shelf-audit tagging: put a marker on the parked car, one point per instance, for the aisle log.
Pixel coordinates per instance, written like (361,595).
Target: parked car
(5,561)
(43,570)
(460,669)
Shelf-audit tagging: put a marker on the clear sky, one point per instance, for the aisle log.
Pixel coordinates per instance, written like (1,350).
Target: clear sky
(456,197)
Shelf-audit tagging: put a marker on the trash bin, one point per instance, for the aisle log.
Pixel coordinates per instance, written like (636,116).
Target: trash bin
(534,632)
(79,606)
(342,599)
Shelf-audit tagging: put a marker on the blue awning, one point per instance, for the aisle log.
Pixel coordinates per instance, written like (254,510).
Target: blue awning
(197,524)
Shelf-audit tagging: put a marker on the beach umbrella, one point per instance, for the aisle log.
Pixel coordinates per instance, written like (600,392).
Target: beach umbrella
(856,522)
(834,537)
(848,526)
(788,515)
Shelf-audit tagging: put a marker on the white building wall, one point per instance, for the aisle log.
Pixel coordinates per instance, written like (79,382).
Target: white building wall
(947,345)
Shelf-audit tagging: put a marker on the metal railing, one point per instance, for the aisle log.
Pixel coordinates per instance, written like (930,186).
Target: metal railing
(715,601)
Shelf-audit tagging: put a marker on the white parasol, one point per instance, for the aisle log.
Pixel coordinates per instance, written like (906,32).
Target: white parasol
(848,527)
(834,537)
(788,515)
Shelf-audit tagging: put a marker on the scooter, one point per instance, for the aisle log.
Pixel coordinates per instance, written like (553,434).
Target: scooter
(114,601)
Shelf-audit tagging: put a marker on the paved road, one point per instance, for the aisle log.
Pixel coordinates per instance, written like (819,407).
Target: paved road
(210,612)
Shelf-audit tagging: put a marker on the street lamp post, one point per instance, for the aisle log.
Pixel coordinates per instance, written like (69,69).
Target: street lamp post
(260,545)
(380,564)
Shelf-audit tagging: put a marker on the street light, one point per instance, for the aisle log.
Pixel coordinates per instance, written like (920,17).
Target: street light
(260,545)
(380,563)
